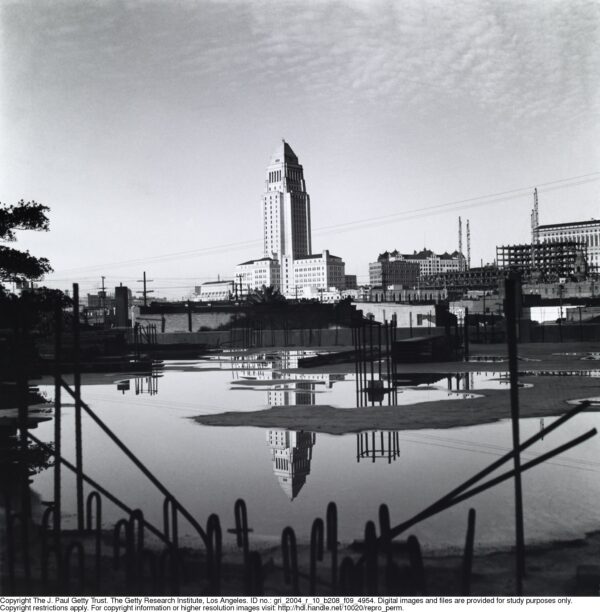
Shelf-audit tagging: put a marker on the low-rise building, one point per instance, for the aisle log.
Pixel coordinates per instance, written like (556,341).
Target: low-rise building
(320,271)
(255,273)
(215,291)
(389,270)
(350,281)
(585,233)
(427,261)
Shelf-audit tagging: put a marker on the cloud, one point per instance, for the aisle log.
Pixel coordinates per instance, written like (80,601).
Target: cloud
(513,61)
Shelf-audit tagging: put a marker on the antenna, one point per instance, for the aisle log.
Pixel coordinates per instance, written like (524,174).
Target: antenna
(460,235)
(145,291)
(468,246)
(535,217)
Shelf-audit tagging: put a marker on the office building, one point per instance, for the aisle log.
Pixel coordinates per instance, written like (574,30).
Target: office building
(285,206)
(584,233)
(289,263)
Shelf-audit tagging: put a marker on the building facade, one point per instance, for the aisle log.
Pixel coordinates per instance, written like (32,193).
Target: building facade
(584,233)
(285,207)
(393,271)
(319,271)
(255,273)
(288,263)
(215,291)
(428,262)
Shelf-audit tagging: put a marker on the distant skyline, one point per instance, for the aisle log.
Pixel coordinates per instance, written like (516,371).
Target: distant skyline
(147,127)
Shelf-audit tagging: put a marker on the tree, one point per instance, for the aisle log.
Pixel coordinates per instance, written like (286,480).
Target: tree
(266,296)
(20,266)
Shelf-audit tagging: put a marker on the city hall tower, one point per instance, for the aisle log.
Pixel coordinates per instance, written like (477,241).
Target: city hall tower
(285,207)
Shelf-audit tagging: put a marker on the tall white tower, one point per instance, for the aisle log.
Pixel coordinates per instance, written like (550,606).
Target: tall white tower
(285,207)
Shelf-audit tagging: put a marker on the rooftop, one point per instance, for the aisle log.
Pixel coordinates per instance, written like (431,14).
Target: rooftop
(217,282)
(251,261)
(316,256)
(284,153)
(569,224)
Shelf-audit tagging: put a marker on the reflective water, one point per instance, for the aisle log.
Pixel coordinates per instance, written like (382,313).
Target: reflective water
(287,477)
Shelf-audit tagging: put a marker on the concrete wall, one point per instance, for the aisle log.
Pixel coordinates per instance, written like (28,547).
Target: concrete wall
(178,322)
(260,338)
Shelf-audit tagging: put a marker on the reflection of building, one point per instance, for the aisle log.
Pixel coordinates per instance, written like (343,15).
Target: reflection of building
(144,384)
(288,388)
(291,453)
(292,394)
(376,445)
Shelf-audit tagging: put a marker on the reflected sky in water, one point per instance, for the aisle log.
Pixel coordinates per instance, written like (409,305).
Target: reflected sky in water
(288,477)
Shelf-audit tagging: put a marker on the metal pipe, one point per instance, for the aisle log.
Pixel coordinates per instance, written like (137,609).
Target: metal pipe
(157,532)
(141,466)
(435,509)
(511,335)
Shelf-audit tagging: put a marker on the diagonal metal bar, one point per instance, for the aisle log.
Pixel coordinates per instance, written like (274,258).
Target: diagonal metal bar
(505,458)
(436,508)
(115,500)
(140,465)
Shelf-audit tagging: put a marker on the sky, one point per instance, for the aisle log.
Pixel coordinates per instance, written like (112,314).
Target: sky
(147,127)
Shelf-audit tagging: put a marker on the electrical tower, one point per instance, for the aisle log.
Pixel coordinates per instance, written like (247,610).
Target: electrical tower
(145,291)
(468,246)
(535,218)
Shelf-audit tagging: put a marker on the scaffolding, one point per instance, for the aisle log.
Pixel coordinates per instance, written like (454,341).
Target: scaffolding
(562,259)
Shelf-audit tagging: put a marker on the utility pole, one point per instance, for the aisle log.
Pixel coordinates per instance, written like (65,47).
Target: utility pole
(239,277)
(103,293)
(145,291)
(103,300)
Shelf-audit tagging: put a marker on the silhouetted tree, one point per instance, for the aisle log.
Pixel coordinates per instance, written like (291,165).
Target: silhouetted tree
(266,295)
(19,266)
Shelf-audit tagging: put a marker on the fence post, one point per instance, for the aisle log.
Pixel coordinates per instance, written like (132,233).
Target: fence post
(466,333)
(57,416)
(511,321)
(77,383)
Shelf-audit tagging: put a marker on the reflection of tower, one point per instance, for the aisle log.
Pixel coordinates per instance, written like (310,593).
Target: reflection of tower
(147,384)
(377,445)
(292,394)
(291,453)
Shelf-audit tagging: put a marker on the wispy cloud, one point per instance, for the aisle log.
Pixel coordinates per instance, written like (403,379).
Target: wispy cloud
(514,60)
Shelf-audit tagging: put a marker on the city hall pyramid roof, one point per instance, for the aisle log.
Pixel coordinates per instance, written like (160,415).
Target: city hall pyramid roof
(284,152)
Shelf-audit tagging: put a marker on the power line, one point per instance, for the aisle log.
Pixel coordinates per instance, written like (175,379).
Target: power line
(415,213)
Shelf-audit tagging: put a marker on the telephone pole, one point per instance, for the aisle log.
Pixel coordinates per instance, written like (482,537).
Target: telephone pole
(144,291)
(239,277)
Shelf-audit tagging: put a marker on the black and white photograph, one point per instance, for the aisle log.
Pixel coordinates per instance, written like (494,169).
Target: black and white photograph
(300,299)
